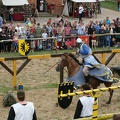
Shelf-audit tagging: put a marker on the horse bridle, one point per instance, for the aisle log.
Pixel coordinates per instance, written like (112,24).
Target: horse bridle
(64,61)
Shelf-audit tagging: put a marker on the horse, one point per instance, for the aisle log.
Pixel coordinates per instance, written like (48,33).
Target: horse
(74,68)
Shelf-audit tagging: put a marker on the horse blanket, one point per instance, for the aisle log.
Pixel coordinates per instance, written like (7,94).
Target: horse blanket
(102,73)
(78,78)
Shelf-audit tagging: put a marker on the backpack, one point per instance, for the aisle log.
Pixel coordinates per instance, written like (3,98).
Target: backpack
(9,99)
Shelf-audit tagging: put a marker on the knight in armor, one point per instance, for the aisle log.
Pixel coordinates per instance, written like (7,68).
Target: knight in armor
(84,51)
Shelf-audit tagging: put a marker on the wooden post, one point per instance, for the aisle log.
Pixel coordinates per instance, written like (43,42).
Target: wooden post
(61,75)
(110,58)
(14,74)
(103,58)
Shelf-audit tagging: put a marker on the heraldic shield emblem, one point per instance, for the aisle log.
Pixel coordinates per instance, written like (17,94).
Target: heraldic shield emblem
(65,88)
(24,47)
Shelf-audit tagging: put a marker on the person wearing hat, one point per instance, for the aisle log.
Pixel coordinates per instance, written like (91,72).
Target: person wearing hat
(22,110)
(85,103)
(84,51)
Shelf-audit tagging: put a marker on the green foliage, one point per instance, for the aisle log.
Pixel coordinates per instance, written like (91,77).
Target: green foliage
(109,5)
(9,99)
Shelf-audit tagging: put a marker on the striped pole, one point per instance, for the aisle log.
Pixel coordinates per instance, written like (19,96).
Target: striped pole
(95,109)
(100,117)
(94,93)
(89,91)
(95,105)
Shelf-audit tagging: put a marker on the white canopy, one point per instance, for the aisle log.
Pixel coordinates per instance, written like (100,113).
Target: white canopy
(65,9)
(81,1)
(14,2)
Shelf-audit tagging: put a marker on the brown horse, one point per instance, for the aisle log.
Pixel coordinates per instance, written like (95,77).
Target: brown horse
(73,66)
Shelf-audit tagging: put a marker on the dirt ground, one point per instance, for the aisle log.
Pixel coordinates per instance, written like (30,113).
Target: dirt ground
(42,91)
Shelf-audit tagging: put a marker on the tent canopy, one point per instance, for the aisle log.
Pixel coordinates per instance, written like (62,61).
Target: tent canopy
(14,2)
(81,1)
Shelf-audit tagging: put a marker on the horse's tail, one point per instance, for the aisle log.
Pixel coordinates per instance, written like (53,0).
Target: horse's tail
(116,80)
(115,71)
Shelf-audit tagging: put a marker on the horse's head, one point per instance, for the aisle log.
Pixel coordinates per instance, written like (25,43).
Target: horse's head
(63,62)
(67,60)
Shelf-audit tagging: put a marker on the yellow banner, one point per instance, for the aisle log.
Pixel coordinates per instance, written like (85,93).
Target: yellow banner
(24,47)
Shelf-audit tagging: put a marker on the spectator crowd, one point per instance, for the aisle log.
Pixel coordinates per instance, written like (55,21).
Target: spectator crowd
(61,32)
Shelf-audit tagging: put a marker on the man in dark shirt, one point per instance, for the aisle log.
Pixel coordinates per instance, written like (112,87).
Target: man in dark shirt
(102,42)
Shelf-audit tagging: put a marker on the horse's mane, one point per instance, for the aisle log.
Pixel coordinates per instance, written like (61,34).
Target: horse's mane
(73,56)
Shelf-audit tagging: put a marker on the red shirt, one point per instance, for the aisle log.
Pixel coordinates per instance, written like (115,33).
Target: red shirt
(67,30)
(68,43)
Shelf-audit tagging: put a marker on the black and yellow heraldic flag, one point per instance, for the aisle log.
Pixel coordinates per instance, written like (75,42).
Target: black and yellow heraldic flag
(24,46)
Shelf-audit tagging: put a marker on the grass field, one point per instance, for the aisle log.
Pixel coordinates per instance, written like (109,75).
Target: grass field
(12,54)
(109,5)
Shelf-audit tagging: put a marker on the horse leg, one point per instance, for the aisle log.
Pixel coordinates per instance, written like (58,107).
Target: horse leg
(110,91)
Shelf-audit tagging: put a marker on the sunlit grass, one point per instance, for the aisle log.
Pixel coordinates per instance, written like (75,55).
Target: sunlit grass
(109,5)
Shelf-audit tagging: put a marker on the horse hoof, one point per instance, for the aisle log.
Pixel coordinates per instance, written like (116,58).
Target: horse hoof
(107,102)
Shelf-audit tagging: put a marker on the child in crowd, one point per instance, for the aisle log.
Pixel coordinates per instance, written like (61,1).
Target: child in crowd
(44,36)
(23,36)
(15,41)
(59,41)
(94,41)
(68,44)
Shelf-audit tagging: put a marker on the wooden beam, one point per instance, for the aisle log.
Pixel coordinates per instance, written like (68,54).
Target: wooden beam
(110,58)
(2,59)
(96,58)
(6,67)
(14,74)
(116,50)
(39,56)
(16,58)
(102,51)
(22,66)
(61,75)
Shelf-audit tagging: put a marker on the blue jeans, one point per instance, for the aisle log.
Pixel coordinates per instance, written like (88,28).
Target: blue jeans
(108,40)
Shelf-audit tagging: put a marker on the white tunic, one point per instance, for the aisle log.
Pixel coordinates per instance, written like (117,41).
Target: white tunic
(87,103)
(23,112)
